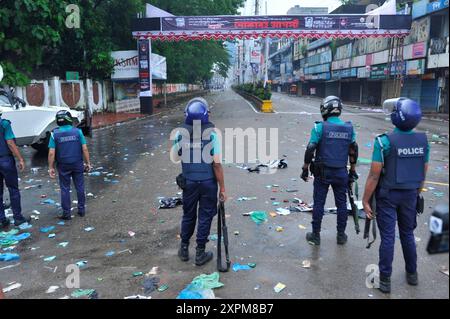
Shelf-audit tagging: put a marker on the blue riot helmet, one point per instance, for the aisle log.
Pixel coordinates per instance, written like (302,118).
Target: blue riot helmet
(405,113)
(64,117)
(197,109)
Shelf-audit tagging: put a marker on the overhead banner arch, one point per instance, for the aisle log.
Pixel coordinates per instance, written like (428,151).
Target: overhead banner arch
(249,27)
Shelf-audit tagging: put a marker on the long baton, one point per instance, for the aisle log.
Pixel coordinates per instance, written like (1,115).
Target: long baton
(222,231)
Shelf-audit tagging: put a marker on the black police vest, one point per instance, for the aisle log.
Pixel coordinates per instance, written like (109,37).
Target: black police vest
(68,146)
(404,167)
(196,161)
(334,144)
(4,148)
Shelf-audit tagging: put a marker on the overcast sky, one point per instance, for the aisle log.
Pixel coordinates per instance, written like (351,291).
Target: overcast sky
(280,7)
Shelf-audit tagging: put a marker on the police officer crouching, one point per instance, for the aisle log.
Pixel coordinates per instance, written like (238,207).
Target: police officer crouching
(332,143)
(199,148)
(8,174)
(399,165)
(68,145)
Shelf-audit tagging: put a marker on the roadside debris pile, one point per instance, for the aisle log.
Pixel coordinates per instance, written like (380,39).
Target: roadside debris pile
(169,202)
(201,287)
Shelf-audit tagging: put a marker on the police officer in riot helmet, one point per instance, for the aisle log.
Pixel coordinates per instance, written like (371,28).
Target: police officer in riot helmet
(399,165)
(331,146)
(68,145)
(198,147)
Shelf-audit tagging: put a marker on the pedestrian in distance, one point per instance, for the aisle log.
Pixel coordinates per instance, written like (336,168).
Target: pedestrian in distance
(68,146)
(397,174)
(9,152)
(198,147)
(331,146)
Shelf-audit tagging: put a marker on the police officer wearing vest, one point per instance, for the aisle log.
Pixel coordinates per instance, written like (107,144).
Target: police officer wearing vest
(202,173)
(68,145)
(8,174)
(399,165)
(331,145)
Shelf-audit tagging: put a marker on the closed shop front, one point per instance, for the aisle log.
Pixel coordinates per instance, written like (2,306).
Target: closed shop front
(350,91)
(332,88)
(430,95)
(412,88)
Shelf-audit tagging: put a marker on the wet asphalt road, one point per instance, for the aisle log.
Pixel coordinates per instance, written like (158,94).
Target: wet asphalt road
(135,170)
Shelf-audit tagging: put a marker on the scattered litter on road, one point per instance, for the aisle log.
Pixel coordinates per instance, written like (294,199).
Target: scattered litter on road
(306,263)
(63,244)
(236,233)
(137,297)
(153,271)
(138,274)
(9,257)
(169,202)
(51,235)
(110,253)
(11,287)
(81,263)
(88,229)
(150,284)
(163,288)
(46,229)
(201,287)
(279,229)
(258,217)
(10,266)
(279,287)
(241,199)
(273,214)
(444,270)
(94,174)
(283,211)
(61,223)
(25,226)
(51,258)
(301,226)
(90,293)
(131,234)
(52,289)
(49,202)
(236,267)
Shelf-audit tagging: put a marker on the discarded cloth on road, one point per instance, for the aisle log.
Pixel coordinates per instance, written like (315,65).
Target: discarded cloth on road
(169,202)
(236,267)
(258,216)
(90,293)
(280,164)
(9,257)
(150,284)
(201,287)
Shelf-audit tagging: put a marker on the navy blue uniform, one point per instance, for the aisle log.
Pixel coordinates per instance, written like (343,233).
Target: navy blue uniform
(396,197)
(332,153)
(68,142)
(201,188)
(8,172)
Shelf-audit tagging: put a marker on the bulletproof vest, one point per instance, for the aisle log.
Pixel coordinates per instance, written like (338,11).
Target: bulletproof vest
(334,144)
(68,146)
(404,167)
(4,149)
(196,161)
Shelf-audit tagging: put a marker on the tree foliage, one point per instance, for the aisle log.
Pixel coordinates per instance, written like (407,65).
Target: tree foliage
(35,41)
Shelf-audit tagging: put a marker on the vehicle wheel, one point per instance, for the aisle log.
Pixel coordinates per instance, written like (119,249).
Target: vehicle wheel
(42,145)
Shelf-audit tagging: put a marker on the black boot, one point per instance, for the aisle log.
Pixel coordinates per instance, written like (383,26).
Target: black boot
(313,238)
(341,238)
(385,284)
(65,217)
(202,257)
(5,223)
(183,252)
(412,279)
(23,220)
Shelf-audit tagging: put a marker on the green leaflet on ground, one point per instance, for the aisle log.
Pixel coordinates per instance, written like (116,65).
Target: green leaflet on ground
(82,292)
(5,234)
(207,281)
(258,216)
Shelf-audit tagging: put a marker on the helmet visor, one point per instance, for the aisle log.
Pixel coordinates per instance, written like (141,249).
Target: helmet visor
(390,105)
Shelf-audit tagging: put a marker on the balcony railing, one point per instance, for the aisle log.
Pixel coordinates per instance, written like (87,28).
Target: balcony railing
(438,46)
